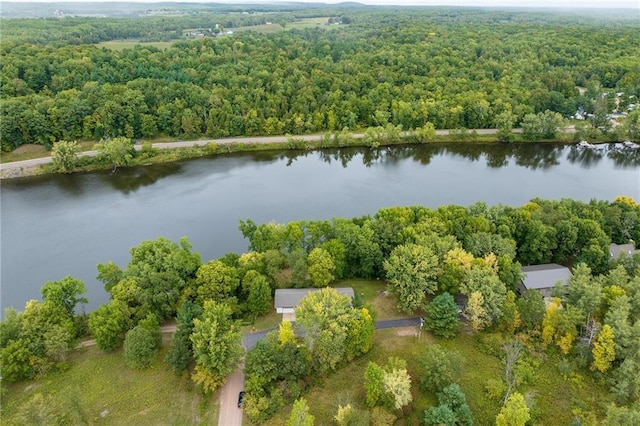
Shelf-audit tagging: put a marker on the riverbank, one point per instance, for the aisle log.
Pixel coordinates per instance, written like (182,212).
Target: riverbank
(166,152)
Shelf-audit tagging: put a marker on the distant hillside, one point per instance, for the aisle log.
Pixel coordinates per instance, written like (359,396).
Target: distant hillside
(115,9)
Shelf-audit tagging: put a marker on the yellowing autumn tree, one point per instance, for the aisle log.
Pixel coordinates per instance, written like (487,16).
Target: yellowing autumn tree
(286,333)
(550,321)
(604,351)
(475,313)
(514,413)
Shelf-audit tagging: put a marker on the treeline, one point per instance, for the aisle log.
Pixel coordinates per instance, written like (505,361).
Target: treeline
(403,69)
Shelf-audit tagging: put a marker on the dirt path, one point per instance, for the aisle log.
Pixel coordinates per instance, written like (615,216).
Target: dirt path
(91,342)
(230,414)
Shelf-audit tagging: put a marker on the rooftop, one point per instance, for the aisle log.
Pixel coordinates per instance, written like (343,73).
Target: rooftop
(291,297)
(545,276)
(617,249)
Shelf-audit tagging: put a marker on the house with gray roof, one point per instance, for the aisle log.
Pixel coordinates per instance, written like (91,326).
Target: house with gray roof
(544,278)
(616,250)
(287,299)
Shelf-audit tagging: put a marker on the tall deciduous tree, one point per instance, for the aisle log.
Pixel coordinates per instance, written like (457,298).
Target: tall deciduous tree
(300,415)
(531,308)
(438,368)
(217,345)
(159,270)
(216,281)
(397,385)
(604,352)
(108,324)
(411,272)
(484,280)
(510,319)
(618,319)
(258,293)
(65,155)
(474,312)
(321,267)
(514,413)
(329,321)
(117,151)
(67,293)
(504,124)
(374,384)
(109,274)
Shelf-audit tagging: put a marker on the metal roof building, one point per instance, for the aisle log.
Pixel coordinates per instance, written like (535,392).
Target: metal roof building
(544,277)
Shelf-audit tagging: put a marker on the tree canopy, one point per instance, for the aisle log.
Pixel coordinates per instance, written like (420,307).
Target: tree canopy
(424,69)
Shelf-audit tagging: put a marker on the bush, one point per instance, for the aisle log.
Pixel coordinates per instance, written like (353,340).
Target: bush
(438,368)
(495,389)
(140,347)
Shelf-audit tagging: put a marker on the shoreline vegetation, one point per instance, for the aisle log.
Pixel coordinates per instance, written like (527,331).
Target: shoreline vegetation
(571,359)
(32,162)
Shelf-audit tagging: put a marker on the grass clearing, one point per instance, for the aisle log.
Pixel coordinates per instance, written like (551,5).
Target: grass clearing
(271,320)
(100,388)
(275,28)
(308,22)
(120,45)
(264,28)
(25,152)
(371,292)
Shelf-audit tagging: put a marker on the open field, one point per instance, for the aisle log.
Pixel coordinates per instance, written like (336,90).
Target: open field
(120,45)
(265,29)
(99,388)
(308,22)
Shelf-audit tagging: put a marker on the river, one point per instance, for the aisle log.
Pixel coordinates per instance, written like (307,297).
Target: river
(53,226)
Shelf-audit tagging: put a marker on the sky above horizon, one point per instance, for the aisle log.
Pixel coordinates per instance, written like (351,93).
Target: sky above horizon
(626,4)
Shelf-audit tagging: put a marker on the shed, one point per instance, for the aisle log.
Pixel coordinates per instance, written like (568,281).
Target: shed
(286,299)
(544,277)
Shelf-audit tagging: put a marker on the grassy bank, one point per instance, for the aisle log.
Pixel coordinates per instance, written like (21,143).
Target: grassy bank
(155,155)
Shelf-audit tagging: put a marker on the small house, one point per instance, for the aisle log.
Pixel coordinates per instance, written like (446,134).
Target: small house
(616,250)
(287,299)
(544,278)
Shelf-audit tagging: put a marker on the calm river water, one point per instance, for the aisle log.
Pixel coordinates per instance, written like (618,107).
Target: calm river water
(53,226)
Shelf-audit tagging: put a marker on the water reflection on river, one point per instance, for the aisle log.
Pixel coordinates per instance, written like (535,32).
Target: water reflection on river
(54,226)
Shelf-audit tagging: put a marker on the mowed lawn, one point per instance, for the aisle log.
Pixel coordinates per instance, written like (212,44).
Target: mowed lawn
(98,388)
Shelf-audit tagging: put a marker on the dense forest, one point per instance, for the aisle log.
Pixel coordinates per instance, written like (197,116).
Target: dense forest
(450,68)
(434,262)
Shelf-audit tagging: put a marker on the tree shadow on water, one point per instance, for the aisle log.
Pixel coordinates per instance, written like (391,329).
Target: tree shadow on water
(128,180)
